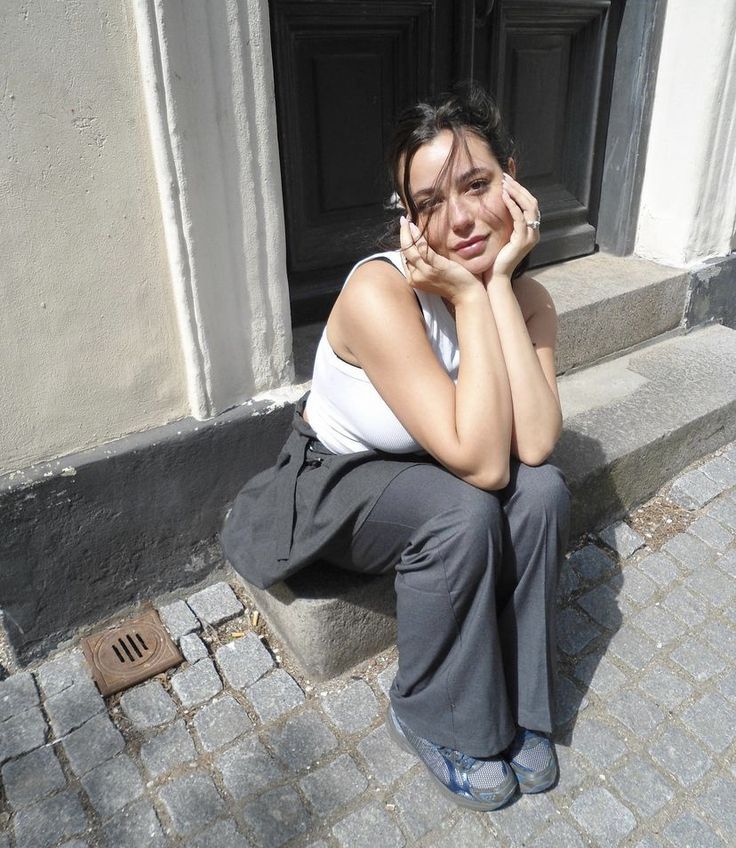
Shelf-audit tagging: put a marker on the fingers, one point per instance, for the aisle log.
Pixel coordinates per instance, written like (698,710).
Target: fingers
(417,253)
(525,199)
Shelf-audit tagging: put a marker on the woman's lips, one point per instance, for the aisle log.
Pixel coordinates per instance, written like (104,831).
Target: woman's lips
(472,247)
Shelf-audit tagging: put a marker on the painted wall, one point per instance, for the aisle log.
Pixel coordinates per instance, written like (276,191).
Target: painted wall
(688,202)
(89,345)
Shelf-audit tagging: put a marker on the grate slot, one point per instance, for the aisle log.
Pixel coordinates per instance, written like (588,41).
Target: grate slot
(136,649)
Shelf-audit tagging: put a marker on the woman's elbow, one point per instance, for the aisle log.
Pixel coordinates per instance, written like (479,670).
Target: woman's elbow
(490,479)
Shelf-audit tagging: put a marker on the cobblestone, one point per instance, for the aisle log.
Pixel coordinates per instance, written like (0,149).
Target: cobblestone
(170,748)
(697,658)
(243,661)
(333,785)
(22,733)
(193,648)
(178,619)
(148,705)
(17,694)
(591,563)
(366,828)
(71,707)
(112,785)
(137,826)
(643,786)
(622,539)
(276,816)
(711,532)
(215,604)
(196,684)
(247,768)
(660,568)
(301,741)
(694,489)
(222,834)
(44,824)
(665,688)
(274,695)
(679,755)
(600,745)
(220,722)
(91,744)
(693,832)
(574,631)
(32,777)
(713,720)
(421,806)
(646,731)
(352,709)
(720,470)
(191,802)
(603,817)
(386,762)
(718,803)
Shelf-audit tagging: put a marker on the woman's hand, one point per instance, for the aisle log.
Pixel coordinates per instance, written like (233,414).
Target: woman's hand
(523,208)
(431,272)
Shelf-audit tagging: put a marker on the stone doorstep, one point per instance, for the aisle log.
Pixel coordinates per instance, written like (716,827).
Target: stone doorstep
(615,455)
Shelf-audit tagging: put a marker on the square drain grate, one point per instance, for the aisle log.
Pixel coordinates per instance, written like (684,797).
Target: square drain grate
(133,651)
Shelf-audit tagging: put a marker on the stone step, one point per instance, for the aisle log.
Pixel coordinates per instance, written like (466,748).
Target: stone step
(631,424)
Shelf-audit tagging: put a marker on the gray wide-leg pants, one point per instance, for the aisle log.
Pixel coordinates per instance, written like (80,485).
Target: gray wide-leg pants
(476,574)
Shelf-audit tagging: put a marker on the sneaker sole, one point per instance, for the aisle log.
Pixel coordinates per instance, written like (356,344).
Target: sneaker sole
(485,806)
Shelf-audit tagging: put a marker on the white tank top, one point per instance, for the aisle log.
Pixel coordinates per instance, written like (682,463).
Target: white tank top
(344,408)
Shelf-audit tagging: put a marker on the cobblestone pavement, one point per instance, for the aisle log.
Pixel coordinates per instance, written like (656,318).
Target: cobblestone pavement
(231,750)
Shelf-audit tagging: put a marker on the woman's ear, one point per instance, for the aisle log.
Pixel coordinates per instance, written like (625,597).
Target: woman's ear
(511,167)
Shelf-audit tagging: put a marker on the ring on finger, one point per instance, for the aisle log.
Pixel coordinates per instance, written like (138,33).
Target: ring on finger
(534,225)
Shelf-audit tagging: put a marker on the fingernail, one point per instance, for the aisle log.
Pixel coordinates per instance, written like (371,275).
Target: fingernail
(402,220)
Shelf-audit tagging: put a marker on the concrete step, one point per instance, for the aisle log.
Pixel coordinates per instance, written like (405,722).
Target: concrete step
(631,424)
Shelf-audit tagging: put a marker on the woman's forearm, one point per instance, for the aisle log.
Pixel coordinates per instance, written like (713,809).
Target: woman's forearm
(483,410)
(536,416)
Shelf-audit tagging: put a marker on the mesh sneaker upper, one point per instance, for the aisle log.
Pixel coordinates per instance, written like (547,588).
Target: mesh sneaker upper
(454,769)
(530,750)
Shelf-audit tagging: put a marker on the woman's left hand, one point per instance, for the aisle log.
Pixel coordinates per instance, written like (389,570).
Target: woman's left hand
(523,208)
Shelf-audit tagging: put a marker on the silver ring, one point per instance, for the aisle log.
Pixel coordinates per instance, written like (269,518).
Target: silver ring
(533,224)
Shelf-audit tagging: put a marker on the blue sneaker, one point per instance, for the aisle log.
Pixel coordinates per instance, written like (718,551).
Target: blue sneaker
(532,757)
(481,784)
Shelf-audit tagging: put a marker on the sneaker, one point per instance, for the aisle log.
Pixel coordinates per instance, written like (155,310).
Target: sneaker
(532,757)
(481,784)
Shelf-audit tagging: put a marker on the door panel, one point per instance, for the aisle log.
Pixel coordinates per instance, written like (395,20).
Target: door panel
(544,61)
(344,70)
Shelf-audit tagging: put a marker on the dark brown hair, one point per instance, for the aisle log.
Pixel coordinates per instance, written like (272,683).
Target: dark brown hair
(468,108)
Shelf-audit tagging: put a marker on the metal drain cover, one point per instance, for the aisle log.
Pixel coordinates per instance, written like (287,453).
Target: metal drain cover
(130,652)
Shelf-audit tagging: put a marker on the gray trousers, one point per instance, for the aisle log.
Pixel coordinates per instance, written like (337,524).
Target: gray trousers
(476,576)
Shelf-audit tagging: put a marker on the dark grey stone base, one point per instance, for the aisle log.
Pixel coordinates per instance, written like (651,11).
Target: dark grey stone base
(84,536)
(712,293)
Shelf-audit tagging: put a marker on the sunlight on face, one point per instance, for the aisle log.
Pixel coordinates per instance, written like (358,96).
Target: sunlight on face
(460,207)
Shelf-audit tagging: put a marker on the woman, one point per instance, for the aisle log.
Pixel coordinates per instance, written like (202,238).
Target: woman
(422,449)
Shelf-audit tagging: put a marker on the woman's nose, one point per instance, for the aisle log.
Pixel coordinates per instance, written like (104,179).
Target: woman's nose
(460,212)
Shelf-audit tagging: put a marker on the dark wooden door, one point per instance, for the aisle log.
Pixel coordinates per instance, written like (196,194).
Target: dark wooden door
(344,69)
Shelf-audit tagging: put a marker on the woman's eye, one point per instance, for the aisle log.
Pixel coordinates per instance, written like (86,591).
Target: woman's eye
(429,203)
(478,185)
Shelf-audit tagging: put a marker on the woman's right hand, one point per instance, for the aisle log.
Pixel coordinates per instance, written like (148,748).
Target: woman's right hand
(431,272)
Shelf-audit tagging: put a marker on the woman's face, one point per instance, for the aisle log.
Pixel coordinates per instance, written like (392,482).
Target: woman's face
(468,219)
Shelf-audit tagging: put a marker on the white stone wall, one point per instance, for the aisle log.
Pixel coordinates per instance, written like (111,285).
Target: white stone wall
(688,201)
(89,343)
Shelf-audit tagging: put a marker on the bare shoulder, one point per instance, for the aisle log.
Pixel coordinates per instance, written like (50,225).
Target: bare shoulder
(375,301)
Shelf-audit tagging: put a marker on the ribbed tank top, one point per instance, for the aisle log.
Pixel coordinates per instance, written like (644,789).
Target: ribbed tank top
(344,408)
